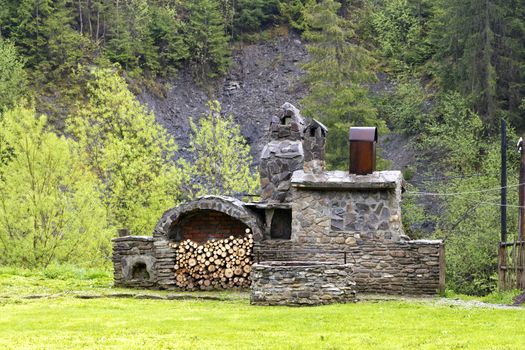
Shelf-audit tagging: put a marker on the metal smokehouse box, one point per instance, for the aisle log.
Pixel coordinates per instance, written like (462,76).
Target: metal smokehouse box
(363,150)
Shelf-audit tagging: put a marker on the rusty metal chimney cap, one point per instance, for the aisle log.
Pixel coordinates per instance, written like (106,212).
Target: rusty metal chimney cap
(363,134)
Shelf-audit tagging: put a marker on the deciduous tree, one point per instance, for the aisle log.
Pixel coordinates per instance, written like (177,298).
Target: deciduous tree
(50,208)
(220,157)
(129,151)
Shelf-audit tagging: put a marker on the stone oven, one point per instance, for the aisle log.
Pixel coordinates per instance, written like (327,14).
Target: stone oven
(308,218)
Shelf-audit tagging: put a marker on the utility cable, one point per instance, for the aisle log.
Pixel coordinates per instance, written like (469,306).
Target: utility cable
(437,194)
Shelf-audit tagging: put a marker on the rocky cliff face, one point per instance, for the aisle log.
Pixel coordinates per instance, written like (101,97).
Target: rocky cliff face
(262,77)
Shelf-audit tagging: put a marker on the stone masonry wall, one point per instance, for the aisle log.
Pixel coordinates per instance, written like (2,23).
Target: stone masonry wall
(299,284)
(365,223)
(378,265)
(328,216)
(165,264)
(134,262)
(282,155)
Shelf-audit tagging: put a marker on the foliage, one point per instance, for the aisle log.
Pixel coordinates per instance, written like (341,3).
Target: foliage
(44,33)
(130,153)
(478,43)
(221,160)
(168,36)
(49,204)
(336,76)
(470,220)
(252,15)
(293,10)
(206,39)
(13,80)
(457,131)
(405,108)
(413,214)
(400,35)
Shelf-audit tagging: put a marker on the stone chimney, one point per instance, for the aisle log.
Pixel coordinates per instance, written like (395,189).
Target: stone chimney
(314,147)
(282,155)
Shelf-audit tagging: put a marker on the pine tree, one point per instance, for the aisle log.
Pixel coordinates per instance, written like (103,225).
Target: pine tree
(480,53)
(336,74)
(167,33)
(120,43)
(206,39)
(43,30)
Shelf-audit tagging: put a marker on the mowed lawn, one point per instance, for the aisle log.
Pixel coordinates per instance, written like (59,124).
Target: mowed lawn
(63,321)
(70,323)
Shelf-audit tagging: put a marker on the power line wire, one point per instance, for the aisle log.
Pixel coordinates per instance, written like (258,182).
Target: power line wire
(438,194)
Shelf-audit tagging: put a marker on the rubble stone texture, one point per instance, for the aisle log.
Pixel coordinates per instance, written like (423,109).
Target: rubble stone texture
(298,283)
(314,147)
(336,201)
(346,230)
(282,155)
(134,262)
(169,223)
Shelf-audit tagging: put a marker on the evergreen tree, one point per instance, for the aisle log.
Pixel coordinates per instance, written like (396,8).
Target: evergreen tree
(480,53)
(43,31)
(128,151)
(13,80)
(120,43)
(167,33)
(336,74)
(400,34)
(206,39)
(221,158)
(252,15)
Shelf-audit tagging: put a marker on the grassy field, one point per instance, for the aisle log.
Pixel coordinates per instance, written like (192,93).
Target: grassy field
(62,321)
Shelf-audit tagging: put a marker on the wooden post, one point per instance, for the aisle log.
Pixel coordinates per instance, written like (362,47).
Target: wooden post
(442,270)
(521,188)
(520,280)
(502,266)
(520,273)
(503,207)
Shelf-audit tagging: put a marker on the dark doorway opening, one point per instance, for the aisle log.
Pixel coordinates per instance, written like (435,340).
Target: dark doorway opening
(281,224)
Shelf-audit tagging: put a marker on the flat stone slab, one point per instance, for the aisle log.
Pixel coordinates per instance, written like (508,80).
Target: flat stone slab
(133,238)
(343,180)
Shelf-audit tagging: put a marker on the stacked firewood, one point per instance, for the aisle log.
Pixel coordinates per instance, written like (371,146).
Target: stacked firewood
(216,264)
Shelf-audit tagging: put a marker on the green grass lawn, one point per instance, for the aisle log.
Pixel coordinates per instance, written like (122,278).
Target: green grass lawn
(66,322)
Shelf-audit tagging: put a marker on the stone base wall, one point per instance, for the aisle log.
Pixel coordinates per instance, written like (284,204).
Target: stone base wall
(378,265)
(299,284)
(134,262)
(165,264)
(407,268)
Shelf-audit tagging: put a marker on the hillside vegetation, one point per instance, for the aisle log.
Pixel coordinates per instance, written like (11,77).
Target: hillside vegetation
(80,157)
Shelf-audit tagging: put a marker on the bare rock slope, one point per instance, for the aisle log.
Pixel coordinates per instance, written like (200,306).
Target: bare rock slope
(262,77)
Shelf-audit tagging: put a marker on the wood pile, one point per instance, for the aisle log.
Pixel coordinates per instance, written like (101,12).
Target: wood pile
(216,264)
